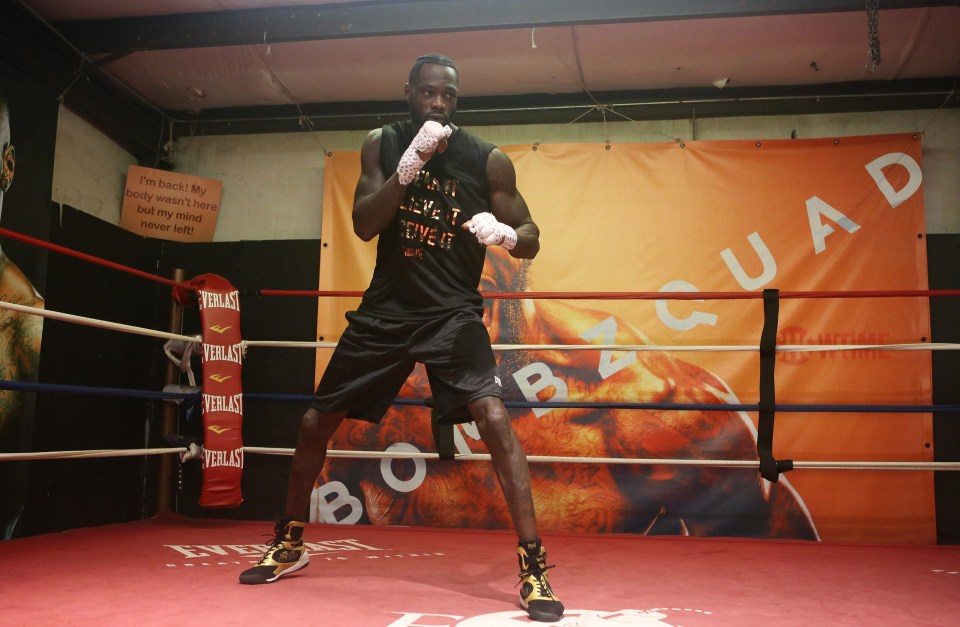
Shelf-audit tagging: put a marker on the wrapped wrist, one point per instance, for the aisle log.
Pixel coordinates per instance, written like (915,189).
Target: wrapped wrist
(492,232)
(425,142)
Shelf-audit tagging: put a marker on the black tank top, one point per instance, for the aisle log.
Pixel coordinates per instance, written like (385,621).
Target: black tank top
(427,264)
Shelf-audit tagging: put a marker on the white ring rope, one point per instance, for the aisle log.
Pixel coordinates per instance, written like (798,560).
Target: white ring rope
(136,452)
(534,459)
(93,322)
(812,465)
(783,348)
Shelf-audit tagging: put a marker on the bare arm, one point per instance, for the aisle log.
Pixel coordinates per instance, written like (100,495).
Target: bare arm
(376,198)
(509,207)
(20,337)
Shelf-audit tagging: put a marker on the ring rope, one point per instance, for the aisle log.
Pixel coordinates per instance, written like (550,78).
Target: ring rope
(27,386)
(799,408)
(535,459)
(785,348)
(782,348)
(93,322)
(636,295)
(31,386)
(92,453)
(698,296)
(715,295)
(92,259)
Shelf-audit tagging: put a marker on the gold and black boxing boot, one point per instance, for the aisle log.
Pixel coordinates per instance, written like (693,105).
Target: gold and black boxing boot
(536,596)
(285,555)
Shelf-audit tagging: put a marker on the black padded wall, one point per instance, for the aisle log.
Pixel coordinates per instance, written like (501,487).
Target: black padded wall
(66,493)
(250,266)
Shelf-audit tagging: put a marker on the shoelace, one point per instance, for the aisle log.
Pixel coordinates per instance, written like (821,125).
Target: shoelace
(544,591)
(268,555)
(535,568)
(276,540)
(536,572)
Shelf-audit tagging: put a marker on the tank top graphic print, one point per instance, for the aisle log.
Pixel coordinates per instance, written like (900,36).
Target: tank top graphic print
(427,264)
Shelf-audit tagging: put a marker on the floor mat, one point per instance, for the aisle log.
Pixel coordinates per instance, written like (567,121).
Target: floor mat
(173,570)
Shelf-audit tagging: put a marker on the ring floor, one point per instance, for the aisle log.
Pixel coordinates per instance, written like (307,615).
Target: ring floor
(177,570)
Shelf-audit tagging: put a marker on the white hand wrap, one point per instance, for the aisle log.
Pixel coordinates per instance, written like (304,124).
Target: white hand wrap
(425,141)
(492,232)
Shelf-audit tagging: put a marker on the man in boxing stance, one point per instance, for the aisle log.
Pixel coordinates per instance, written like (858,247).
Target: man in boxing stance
(437,197)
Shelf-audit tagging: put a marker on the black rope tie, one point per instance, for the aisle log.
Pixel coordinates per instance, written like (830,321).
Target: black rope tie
(442,433)
(770,468)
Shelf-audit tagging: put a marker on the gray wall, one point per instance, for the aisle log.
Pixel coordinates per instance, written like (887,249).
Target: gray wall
(273,184)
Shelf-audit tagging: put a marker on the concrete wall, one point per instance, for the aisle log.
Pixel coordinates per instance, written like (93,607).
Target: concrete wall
(273,184)
(89,170)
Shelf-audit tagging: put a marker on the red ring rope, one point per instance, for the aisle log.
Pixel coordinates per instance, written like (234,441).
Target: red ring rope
(508,295)
(649,295)
(97,260)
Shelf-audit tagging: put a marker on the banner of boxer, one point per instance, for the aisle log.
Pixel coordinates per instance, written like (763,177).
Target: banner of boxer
(28,128)
(818,214)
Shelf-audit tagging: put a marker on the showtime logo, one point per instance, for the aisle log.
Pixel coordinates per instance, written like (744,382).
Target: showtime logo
(799,336)
(571,618)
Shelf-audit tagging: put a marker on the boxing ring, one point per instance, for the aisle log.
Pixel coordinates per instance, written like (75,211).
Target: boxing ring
(171,567)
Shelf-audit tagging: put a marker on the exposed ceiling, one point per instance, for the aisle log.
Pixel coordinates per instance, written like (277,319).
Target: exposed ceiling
(239,66)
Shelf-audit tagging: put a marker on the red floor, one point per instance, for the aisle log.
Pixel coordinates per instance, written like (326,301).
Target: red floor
(178,571)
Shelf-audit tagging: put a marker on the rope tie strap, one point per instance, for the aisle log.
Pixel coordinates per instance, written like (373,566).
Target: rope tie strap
(770,467)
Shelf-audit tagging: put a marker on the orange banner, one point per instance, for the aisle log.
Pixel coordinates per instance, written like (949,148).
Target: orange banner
(796,215)
(169,205)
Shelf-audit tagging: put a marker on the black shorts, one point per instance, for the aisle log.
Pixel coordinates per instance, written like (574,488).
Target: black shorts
(374,357)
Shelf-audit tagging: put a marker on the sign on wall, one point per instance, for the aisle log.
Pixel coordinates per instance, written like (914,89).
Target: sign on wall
(831,214)
(170,205)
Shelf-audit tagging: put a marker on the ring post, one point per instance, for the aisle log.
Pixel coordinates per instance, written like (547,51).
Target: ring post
(222,390)
(169,424)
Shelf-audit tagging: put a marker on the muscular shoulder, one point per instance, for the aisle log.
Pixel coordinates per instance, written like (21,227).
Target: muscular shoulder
(501,174)
(15,287)
(397,133)
(372,140)
(20,333)
(386,144)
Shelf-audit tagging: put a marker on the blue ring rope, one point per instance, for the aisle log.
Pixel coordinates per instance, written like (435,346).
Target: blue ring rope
(27,386)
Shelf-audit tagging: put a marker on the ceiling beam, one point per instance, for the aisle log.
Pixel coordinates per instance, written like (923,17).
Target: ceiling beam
(120,36)
(29,47)
(698,103)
